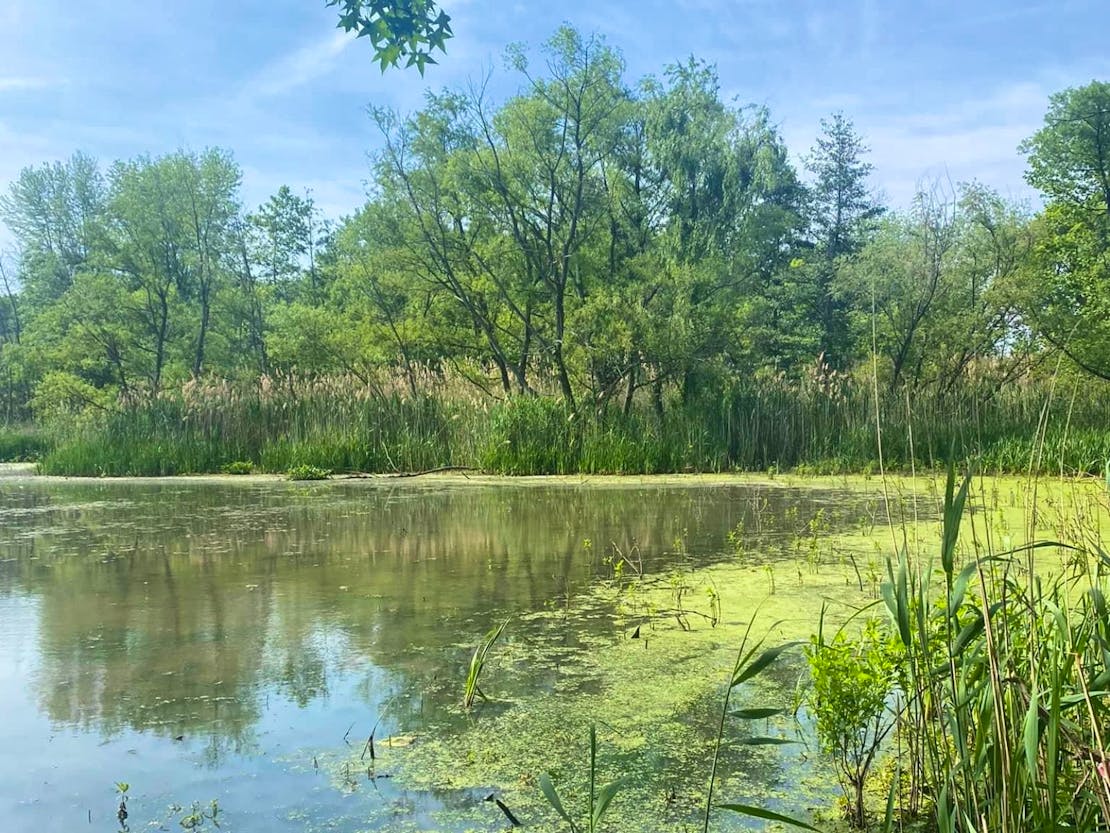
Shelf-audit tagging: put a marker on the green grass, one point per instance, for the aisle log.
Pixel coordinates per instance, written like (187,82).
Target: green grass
(346,427)
(22,443)
(1006,675)
(1001,678)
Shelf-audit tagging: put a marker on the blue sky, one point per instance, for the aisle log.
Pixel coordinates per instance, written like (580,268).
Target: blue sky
(937,88)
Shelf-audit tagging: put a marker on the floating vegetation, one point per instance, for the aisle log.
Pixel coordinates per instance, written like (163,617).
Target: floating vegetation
(307,473)
(675,582)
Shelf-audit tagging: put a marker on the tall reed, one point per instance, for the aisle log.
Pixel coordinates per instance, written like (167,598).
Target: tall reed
(1003,685)
(1006,680)
(346,424)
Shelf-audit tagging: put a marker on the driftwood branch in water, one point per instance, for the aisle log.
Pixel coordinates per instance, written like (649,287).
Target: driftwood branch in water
(358,475)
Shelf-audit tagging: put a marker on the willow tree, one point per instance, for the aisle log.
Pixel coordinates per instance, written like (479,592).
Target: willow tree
(1068,287)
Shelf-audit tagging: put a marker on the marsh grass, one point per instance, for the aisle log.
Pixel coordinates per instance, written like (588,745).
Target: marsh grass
(346,424)
(1001,675)
(21,443)
(1005,683)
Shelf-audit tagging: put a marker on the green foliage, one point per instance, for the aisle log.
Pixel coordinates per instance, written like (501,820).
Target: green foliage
(240,467)
(626,277)
(1069,273)
(853,683)
(409,29)
(22,443)
(845,214)
(304,472)
(933,292)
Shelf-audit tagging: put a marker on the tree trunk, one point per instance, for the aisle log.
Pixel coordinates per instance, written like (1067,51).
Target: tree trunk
(202,336)
(630,391)
(560,363)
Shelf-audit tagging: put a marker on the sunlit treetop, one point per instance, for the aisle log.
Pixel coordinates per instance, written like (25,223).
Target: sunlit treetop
(398,29)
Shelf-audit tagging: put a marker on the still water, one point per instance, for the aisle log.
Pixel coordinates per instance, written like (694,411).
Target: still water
(237,641)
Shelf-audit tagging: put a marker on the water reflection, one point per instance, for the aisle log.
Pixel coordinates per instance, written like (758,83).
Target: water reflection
(211,613)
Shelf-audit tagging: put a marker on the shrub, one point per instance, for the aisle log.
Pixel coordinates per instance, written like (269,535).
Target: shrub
(852,682)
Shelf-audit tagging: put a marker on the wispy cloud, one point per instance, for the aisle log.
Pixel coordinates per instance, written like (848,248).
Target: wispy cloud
(972,138)
(299,67)
(19,83)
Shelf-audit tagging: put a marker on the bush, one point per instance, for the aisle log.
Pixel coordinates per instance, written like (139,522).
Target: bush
(237,467)
(852,682)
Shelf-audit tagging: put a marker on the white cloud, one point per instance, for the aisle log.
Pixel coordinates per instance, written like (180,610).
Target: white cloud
(299,67)
(18,83)
(974,138)
(969,138)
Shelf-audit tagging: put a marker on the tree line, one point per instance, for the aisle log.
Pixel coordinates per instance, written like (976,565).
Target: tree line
(592,238)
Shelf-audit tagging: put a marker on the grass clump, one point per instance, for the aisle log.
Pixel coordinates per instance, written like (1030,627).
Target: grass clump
(994,678)
(237,467)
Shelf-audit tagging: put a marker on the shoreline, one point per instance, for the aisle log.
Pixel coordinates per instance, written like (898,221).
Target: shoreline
(855,480)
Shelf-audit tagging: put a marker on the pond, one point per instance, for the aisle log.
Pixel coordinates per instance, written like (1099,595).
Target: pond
(238,640)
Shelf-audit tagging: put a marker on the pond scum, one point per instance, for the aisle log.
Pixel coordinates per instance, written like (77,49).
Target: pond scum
(976,657)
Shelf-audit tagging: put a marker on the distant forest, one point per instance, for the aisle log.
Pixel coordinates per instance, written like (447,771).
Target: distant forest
(595,239)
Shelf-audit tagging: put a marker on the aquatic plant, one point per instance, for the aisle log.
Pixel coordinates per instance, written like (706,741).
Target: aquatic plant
(198,816)
(238,467)
(599,797)
(1007,734)
(379,425)
(748,665)
(478,662)
(305,472)
(121,811)
(1002,674)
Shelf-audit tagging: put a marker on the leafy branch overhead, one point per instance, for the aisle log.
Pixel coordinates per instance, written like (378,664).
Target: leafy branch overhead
(398,29)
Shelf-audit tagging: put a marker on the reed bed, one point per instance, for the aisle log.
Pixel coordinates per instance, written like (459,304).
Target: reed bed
(346,424)
(995,679)
(21,443)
